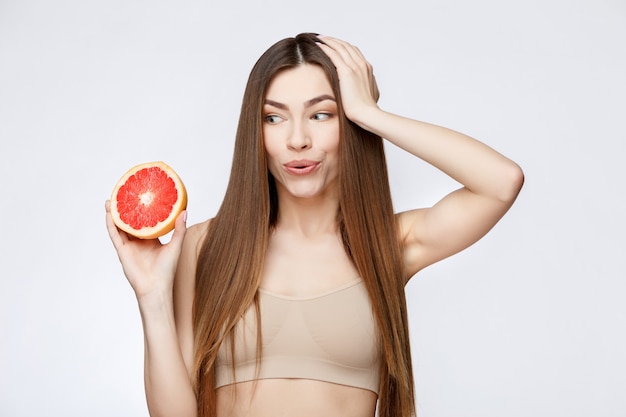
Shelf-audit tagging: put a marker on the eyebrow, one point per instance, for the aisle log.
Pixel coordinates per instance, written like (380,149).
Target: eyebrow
(307,103)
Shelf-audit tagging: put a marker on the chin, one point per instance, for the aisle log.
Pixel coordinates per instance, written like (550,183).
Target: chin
(312,189)
(306,194)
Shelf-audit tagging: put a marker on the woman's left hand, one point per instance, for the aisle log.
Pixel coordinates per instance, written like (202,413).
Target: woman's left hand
(359,91)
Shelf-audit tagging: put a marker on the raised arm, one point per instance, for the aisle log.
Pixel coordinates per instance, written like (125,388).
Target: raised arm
(150,268)
(490,181)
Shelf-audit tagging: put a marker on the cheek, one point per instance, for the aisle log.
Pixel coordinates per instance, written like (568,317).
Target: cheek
(273,141)
(331,140)
(269,146)
(271,156)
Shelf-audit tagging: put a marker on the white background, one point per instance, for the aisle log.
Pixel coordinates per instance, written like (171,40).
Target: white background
(530,321)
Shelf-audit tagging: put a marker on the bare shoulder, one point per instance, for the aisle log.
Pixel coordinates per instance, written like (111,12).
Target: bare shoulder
(453,224)
(407,221)
(191,248)
(196,233)
(413,257)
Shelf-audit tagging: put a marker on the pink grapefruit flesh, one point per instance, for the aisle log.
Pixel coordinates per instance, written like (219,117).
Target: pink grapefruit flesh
(147,200)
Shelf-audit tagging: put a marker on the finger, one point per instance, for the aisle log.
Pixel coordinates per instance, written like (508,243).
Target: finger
(334,56)
(350,54)
(342,53)
(118,237)
(340,56)
(375,90)
(180,229)
(348,59)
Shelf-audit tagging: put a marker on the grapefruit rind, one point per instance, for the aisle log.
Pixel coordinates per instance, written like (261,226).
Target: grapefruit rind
(162,227)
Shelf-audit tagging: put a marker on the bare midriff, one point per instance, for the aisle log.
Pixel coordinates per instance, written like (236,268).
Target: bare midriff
(294,397)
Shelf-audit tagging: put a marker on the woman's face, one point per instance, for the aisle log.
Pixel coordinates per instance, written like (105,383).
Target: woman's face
(301,132)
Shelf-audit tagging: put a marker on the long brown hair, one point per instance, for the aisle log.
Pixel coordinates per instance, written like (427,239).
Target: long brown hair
(231,258)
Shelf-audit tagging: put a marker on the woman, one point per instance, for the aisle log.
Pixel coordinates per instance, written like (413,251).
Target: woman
(291,300)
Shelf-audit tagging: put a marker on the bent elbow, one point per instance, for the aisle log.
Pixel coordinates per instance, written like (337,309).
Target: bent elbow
(512,182)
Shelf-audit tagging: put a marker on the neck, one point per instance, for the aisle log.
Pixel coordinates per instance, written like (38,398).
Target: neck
(307,216)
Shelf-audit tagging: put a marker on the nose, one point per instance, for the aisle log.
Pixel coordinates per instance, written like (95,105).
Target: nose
(299,138)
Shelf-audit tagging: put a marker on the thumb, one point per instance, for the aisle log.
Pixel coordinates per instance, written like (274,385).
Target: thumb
(180,228)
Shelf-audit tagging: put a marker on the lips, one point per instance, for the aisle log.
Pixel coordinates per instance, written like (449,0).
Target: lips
(301,167)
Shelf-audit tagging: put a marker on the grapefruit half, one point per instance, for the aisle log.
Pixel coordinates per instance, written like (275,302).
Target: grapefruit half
(147,200)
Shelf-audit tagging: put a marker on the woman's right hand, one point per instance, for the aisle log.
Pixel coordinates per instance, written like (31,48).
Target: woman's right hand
(149,265)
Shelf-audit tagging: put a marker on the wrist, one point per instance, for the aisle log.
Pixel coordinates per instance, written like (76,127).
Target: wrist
(155,302)
(367,118)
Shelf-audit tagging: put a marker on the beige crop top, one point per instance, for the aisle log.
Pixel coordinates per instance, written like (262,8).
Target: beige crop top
(331,337)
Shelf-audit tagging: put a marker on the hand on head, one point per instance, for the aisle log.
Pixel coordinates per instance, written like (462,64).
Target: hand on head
(359,89)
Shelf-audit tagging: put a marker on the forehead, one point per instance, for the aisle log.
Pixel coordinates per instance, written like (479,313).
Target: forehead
(299,84)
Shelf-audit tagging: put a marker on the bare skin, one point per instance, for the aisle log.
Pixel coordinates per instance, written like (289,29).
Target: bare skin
(306,233)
